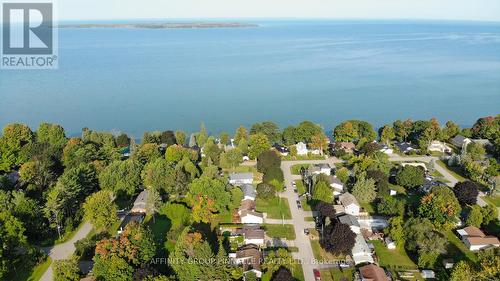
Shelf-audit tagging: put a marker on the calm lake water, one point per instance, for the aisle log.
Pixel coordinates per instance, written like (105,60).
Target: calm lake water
(286,71)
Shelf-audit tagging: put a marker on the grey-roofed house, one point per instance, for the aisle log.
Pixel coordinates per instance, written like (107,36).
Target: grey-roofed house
(350,204)
(351,221)
(322,168)
(459,141)
(336,184)
(249,192)
(140,202)
(252,234)
(405,147)
(238,179)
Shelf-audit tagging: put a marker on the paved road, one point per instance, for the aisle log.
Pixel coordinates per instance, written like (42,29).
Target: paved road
(305,254)
(64,250)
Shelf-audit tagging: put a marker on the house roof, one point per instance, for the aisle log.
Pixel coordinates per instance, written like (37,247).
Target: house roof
(334,179)
(349,220)
(140,201)
(487,240)
(245,213)
(251,255)
(281,148)
(346,145)
(483,142)
(241,176)
(339,209)
(373,272)
(247,205)
(251,232)
(360,246)
(458,140)
(249,190)
(404,146)
(347,199)
(473,231)
(323,166)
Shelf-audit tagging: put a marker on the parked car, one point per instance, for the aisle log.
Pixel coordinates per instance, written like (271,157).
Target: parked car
(299,205)
(295,190)
(317,275)
(306,231)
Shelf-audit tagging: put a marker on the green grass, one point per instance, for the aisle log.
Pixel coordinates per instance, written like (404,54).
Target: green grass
(300,187)
(492,200)
(276,208)
(336,274)
(454,171)
(368,207)
(29,274)
(280,231)
(302,157)
(456,249)
(320,254)
(308,219)
(160,226)
(397,257)
(306,205)
(289,249)
(295,269)
(295,169)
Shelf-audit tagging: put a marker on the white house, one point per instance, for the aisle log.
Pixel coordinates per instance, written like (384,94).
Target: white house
(361,253)
(439,146)
(391,245)
(251,217)
(249,192)
(301,148)
(476,240)
(427,274)
(241,178)
(351,221)
(351,205)
(323,168)
(336,185)
(387,150)
(252,234)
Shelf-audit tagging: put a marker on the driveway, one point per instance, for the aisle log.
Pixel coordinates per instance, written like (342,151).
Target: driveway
(305,254)
(64,250)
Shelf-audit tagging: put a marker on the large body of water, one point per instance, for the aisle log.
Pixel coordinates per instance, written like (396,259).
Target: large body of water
(286,71)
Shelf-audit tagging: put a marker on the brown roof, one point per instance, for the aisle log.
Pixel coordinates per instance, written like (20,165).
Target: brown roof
(473,231)
(372,272)
(488,240)
(346,145)
(251,255)
(251,232)
(247,205)
(347,199)
(256,214)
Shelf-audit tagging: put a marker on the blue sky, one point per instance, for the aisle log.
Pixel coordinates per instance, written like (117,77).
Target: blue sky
(483,10)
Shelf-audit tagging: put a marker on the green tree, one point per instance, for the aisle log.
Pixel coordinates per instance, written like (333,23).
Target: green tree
(289,135)
(391,206)
(52,134)
(305,131)
(475,216)
(258,144)
(346,131)
(241,134)
(387,134)
(476,151)
(180,137)
(322,192)
(202,135)
(147,152)
(11,237)
(490,213)
(364,189)
(267,128)
(100,210)
(343,174)
(266,191)
(396,230)
(402,129)
(14,138)
(267,160)
(440,206)
(66,270)
(122,177)
(153,203)
(122,140)
(422,239)
(232,158)
(410,176)
(450,130)
(213,189)
(463,271)
(161,175)
(224,138)
(320,142)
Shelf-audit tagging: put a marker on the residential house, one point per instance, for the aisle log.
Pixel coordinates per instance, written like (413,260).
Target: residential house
(246,205)
(249,192)
(130,217)
(373,272)
(283,150)
(249,256)
(351,205)
(345,146)
(301,148)
(140,203)
(391,245)
(460,141)
(351,221)
(387,150)
(405,147)
(361,253)
(322,168)
(252,234)
(339,210)
(238,179)
(336,184)
(439,146)
(486,143)
(427,274)
(476,240)
(251,217)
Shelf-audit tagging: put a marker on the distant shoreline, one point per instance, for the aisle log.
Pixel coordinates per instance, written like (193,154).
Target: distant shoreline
(191,25)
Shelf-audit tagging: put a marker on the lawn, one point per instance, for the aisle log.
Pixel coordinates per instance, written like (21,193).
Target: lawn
(276,208)
(306,205)
(335,274)
(295,169)
(492,200)
(396,258)
(257,177)
(456,249)
(454,171)
(30,274)
(368,207)
(280,231)
(160,226)
(295,269)
(321,255)
(300,187)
